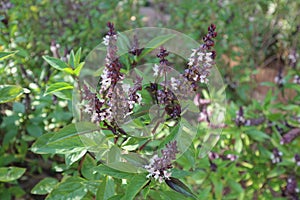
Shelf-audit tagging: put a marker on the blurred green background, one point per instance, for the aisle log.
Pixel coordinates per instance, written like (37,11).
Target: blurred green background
(257,41)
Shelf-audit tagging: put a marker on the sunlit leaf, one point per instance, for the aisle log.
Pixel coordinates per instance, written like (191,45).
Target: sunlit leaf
(106,189)
(65,141)
(5,55)
(45,186)
(136,183)
(55,87)
(78,69)
(102,169)
(71,188)
(257,134)
(73,157)
(58,64)
(8,174)
(9,92)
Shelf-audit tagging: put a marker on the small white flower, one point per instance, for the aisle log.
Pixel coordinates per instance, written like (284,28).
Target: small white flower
(147,167)
(174,83)
(195,78)
(202,117)
(130,104)
(156,174)
(203,79)
(156,69)
(191,61)
(248,122)
(102,116)
(208,57)
(160,179)
(231,157)
(88,109)
(209,54)
(101,100)
(106,40)
(193,52)
(52,48)
(278,80)
(200,58)
(105,83)
(109,114)
(281,142)
(94,117)
(296,79)
(149,176)
(241,119)
(293,58)
(167,174)
(201,54)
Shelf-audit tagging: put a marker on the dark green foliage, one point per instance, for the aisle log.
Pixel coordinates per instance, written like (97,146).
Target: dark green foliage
(41,153)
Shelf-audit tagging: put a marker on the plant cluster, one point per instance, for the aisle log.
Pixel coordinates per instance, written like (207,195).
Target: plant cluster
(46,153)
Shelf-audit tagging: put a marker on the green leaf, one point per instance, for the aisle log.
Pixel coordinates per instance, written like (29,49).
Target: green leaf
(123,44)
(9,93)
(124,166)
(238,145)
(8,174)
(65,141)
(106,189)
(45,186)
(18,107)
(135,159)
(155,43)
(171,195)
(78,68)
(218,187)
(179,186)
(177,173)
(5,55)
(77,57)
(292,86)
(34,130)
(103,169)
(71,188)
(73,157)
(276,172)
(58,64)
(268,98)
(135,184)
(15,191)
(64,94)
(58,87)
(72,59)
(171,136)
(87,167)
(116,197)
(257,135)
(235,185)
